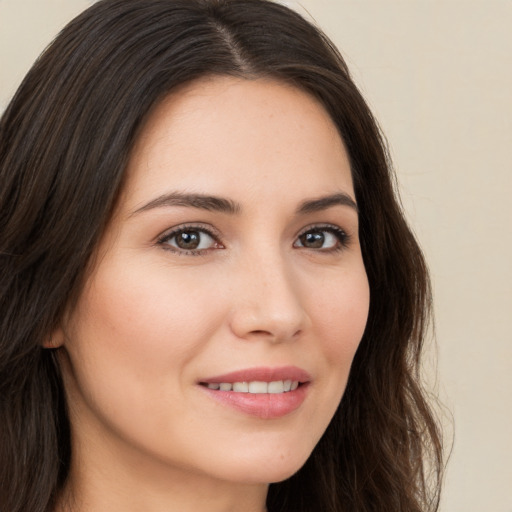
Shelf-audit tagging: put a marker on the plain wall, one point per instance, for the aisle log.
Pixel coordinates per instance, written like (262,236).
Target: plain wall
(438,75)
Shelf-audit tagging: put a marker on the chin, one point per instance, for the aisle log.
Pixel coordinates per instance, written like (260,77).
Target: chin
(271,470)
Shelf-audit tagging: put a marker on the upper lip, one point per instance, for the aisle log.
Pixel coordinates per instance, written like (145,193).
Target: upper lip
(262,374)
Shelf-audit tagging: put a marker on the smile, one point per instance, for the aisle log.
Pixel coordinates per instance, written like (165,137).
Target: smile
(255,387)
(264,393)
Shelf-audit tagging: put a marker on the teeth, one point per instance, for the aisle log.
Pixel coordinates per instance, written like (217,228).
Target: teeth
(256,387)
(241,387)
(276,387)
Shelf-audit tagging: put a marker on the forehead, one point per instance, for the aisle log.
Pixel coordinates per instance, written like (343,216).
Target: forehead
(217,133)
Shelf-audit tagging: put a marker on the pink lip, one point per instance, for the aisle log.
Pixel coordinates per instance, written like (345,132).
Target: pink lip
(264,405)
(263,374)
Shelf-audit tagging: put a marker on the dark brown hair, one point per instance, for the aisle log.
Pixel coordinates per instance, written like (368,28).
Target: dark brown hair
(65,140)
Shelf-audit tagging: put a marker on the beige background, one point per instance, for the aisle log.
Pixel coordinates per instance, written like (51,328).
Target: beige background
(438,74)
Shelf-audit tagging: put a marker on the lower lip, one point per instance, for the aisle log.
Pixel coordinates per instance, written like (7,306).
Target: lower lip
(261,405)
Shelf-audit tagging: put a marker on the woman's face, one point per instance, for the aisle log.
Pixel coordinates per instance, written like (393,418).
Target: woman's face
(233,261)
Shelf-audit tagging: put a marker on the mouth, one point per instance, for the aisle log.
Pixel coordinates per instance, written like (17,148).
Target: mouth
(261,392)
(255,387)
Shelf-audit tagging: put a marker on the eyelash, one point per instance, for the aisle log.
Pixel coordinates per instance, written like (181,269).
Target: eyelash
(166,237)
(341,235)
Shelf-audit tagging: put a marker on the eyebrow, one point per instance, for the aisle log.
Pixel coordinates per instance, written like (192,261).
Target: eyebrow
(223,205)
(201,201)
(323,203)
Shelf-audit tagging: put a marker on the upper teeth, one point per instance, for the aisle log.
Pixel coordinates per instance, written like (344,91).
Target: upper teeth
(277,386)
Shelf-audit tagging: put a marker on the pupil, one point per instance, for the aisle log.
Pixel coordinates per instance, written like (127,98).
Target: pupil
(188,240)
(314,240)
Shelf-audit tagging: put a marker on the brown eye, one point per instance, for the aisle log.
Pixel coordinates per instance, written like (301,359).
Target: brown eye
(326,239)
(188,240)
(195,240)
(313,239)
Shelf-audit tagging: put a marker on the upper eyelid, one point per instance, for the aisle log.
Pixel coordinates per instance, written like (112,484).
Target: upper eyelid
(170,232)
(323,225)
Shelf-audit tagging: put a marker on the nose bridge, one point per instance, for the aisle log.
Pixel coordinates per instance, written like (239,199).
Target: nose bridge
(268,301)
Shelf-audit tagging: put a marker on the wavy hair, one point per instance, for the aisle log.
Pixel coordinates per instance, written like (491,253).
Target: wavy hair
(65,140)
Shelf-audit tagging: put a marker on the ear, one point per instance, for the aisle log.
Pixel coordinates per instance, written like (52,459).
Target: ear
(55,339)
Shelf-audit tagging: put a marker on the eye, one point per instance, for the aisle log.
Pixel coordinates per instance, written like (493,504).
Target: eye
(324,238)
(190,240)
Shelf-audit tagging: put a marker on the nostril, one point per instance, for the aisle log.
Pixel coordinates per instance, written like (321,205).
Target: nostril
(270,320)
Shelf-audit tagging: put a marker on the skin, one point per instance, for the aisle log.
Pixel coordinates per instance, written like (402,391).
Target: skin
(153,319)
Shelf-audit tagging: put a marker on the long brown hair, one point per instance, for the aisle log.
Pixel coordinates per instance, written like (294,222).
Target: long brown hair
(65,140)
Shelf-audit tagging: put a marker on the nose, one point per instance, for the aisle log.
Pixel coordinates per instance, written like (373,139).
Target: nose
(267,302)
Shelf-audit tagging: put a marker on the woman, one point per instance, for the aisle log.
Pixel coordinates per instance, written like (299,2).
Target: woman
(210,299)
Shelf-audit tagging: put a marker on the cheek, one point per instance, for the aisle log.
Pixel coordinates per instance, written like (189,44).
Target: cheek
(143,310)
(341,313)
(129,344)
(134,332)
